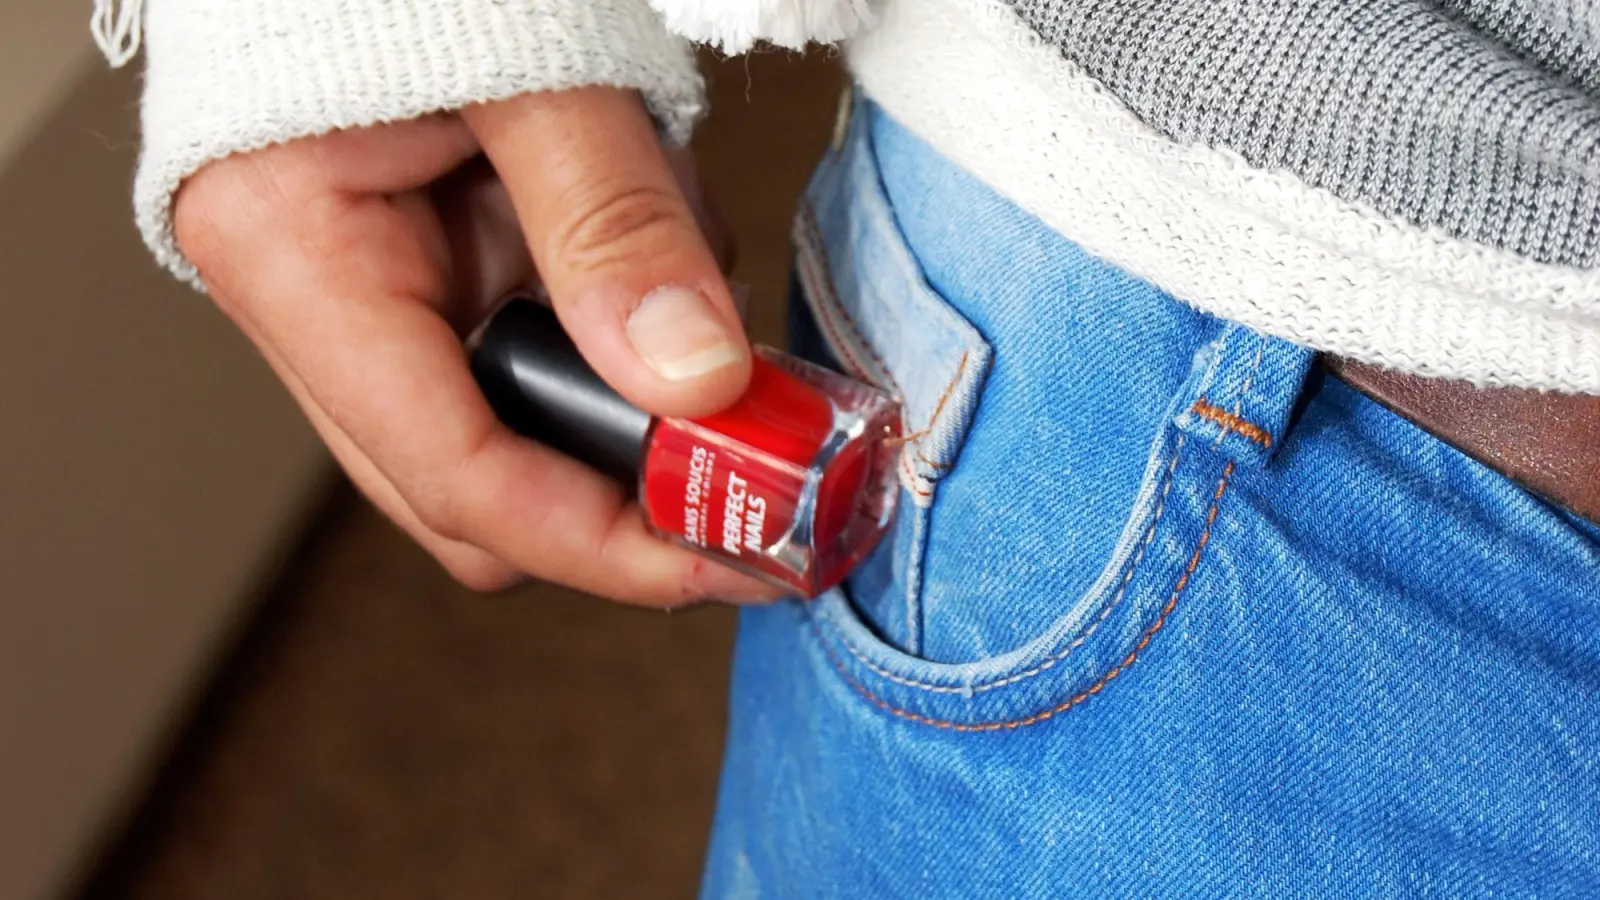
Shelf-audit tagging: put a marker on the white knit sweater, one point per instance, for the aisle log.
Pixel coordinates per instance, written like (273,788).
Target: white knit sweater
(1261,247)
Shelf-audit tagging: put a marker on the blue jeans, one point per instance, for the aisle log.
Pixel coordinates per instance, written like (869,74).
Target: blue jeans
(1167,611)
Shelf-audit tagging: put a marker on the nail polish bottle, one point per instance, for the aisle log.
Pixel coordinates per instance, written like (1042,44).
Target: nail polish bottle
(794,484)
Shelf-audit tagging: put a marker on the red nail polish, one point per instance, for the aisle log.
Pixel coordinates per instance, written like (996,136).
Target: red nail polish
(794,484)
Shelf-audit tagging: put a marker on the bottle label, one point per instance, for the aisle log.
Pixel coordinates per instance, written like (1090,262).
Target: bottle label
(743,516)
(750,484)
(697,495)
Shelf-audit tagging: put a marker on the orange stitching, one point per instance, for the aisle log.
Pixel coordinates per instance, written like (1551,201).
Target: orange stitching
(938,410)
(822,283)
(1231,422)
(904,439)
(905,467)
(808,218)
(1091,690)
(1060,655)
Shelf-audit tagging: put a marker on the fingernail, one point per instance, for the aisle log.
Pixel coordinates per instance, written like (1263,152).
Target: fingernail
(680,336)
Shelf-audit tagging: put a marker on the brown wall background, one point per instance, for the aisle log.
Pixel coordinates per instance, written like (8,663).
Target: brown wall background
(149,467)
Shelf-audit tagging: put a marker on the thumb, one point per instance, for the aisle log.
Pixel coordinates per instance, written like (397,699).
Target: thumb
(617,246)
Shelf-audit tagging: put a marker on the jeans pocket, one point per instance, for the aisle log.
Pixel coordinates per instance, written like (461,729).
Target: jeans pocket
(866,306)
(1100,636)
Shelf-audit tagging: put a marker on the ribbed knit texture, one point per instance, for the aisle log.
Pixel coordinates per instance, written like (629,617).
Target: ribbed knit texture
(228,77)
(1478,117)
(1561,36)
(1253,245)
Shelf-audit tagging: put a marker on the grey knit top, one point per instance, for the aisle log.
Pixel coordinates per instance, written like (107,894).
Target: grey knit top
(1479,117)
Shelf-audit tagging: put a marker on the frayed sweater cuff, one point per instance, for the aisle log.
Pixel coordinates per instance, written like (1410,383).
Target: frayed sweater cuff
(227,78)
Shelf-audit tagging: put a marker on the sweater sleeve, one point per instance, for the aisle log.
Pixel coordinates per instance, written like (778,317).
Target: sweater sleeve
(230,77)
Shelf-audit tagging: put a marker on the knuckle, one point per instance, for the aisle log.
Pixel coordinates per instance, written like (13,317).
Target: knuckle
(202,213)
(617,224)
(229,203)
(444,500)
(482,576)
(441,512)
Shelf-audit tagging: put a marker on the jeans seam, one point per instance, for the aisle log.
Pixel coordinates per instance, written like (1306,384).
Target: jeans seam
(1245,427)
(918,550)
(1233,422)
(1250,380)
(817,283)
(1061,655)
(822,280)
(812,238)
(915,438)
(1133,655)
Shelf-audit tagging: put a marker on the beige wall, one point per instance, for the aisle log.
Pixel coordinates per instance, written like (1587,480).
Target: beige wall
(150,469)
(43,44)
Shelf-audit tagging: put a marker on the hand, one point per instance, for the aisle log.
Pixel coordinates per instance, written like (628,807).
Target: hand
(355,261)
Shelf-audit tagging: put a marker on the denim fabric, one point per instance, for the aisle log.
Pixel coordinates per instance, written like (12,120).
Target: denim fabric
(1167,612)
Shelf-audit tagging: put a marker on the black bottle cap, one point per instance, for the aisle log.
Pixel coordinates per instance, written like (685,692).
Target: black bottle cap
(540,386)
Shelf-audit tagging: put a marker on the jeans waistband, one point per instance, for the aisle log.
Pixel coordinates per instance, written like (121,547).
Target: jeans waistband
(994,280)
